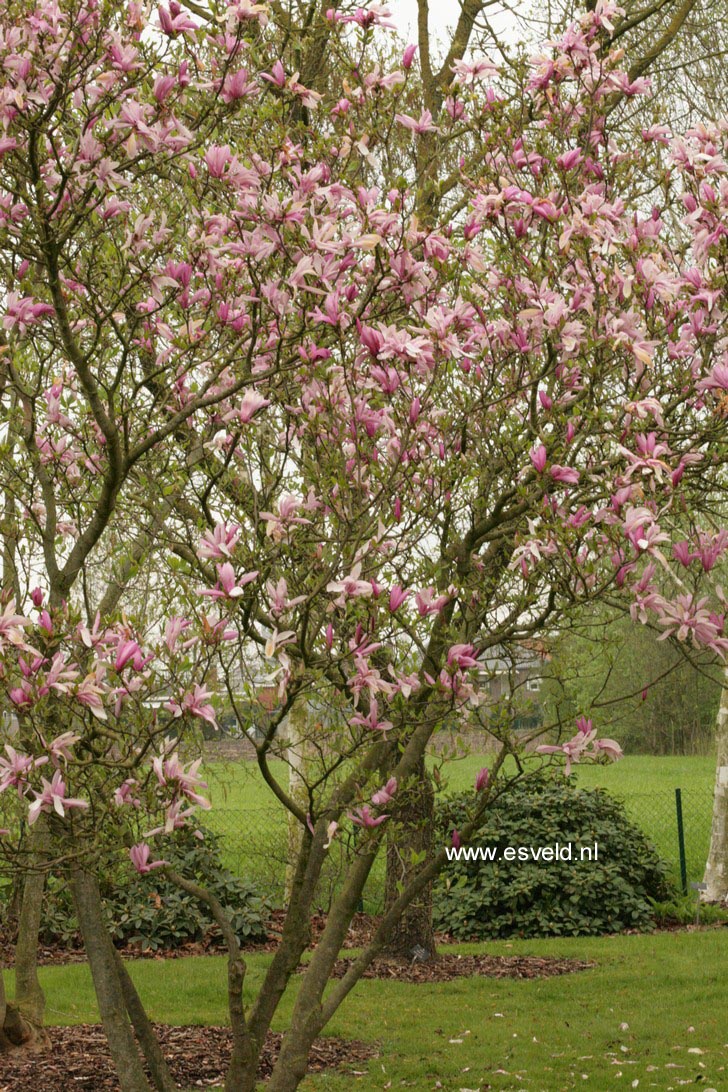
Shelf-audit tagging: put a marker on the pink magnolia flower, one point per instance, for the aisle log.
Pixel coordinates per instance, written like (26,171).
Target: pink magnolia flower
(129,652)
(584,743)
(219,543)
(52,797)
(428,603)
(11,626)
(173,630)
(362,817)
(469,72)
(384,795)
(170,770)
(609,747)
(236,86)
(372,721)
(59,749)
(229,586)
(14,769)
(423,124)
(217,159)
(23,312)
(565,474)
(90,692)
(481,779)
(397,596)
(351,587)
(278,595)
(163,87)
(124,795)
(175,818)
(687,617)
(455,839)
(716,380)
(250,405)
(462,655)
(277,640)
(281,524)
(173,20)
(22,695)
(538,458)
(330,832)
(139,856)
(408,57)
(193,702)
(276,76)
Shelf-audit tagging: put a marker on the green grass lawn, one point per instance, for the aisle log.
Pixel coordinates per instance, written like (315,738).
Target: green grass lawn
(651,1011)
(254,827)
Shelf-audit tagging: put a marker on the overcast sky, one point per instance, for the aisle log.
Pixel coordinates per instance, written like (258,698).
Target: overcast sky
(443,17)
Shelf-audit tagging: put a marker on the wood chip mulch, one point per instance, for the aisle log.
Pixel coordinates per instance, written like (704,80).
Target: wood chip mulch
(360,933)
(78,1058)
(447,967)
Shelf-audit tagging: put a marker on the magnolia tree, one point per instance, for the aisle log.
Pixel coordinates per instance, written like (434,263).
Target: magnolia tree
(361,445)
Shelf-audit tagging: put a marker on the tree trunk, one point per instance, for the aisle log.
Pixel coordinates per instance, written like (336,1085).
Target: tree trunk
(297,753)
(29,997)
(716,869)
(409,844)
(307,1019)
(102,960)
(144,1031)
(15,1031)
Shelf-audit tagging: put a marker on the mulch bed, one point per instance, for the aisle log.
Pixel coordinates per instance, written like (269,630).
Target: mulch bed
(198,1056)
(360,932)
(447,967)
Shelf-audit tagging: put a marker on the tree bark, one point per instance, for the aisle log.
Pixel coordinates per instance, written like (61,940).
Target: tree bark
(297,752)
(242,1070)
(15,1031)
(716,869)
(109,993)
(144,1031)
(29,997)
(411,836)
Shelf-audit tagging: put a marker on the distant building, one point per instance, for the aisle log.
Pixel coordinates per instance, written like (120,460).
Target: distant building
(515,676)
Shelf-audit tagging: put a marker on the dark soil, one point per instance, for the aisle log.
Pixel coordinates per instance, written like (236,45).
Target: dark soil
(197,1056)
(446,967)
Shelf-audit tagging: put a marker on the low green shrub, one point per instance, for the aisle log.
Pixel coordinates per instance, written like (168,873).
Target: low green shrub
(536,898)
(684,910)
(151,913)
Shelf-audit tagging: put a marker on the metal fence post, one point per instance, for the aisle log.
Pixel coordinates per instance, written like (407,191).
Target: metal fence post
(681,841)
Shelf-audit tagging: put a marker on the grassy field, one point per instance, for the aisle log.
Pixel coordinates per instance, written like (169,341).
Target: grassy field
(253,826)
(650,1014)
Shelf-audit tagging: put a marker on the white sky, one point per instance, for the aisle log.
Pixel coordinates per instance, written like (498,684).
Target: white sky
(443,17)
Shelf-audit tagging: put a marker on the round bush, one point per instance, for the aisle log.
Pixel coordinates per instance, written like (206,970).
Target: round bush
(150,912)
(539,898)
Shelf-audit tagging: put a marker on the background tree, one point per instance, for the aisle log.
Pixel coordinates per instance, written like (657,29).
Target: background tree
(383,443)
(645,692)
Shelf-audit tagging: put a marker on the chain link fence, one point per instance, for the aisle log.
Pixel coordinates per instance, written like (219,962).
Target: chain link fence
(678,823)
(255,842)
